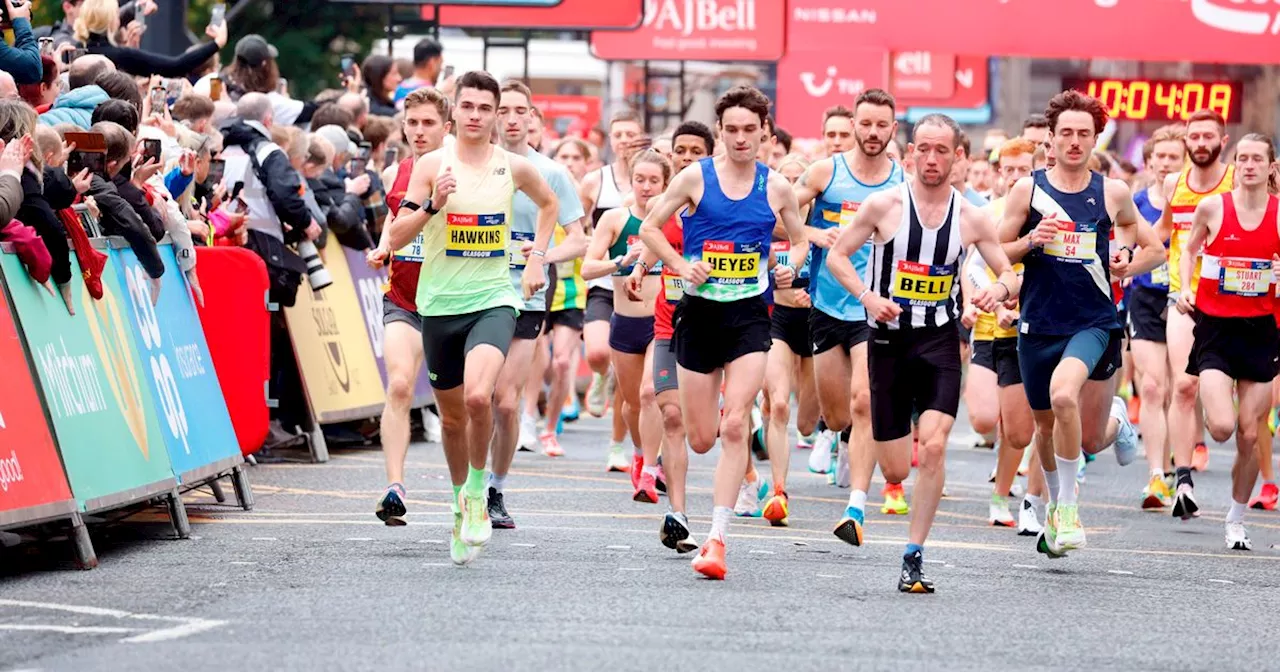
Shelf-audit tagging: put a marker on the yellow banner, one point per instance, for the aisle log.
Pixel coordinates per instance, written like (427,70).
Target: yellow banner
(335,358)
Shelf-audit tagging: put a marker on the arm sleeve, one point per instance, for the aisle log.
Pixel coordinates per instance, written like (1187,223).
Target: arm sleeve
(176,182)
(145,63)
(284,190)
(10,198)
(119,218)
(127,12)
(22,60)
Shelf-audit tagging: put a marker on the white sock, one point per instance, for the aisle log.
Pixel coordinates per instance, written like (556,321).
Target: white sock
(1070,468)
(496,482)
(651,469)
(720,517)
(1236,514)
(1051,479)
(1036,502)
(858,499)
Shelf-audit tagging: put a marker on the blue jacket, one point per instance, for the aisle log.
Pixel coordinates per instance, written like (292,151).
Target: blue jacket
(22,60)
(75,107)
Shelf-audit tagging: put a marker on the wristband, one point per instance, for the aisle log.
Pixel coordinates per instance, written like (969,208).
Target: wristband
(1007,292)
(538,253)
(643,266)
(617,262)
(864,293)
(431,209)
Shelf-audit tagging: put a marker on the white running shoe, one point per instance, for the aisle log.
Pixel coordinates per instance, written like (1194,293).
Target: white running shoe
(528,433)
(820,457)
(596,398)
(1025,464)
(1028,520)
(998,512)
(748,505)
(1126,446)
(431,426)
(842,466)
(1237,538)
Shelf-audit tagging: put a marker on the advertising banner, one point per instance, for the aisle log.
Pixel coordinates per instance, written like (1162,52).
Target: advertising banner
(178,368)
(922,74)
(1209,31)
(568,15)
(339,372)
(369,289)
(706,30)
(569,113)
(94,385)
(810,81)
(971,75)
(31,476)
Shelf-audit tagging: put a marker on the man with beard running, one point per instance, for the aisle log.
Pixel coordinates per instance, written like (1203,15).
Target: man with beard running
(838,322)
(919,231)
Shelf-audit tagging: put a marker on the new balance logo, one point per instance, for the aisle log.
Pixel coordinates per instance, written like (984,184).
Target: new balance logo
(499,171)
(1090,201)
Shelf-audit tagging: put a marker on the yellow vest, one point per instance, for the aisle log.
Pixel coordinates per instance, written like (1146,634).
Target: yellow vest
(1182,206)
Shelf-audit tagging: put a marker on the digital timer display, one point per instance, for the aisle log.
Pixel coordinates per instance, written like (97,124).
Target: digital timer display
(1161,100)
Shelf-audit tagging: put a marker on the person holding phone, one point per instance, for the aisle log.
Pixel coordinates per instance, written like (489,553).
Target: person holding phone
(41,94)
(22,60)
(98,23)
(381,77)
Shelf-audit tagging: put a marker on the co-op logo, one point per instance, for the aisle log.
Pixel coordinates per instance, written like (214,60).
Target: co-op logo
(831,80)
(1249,17)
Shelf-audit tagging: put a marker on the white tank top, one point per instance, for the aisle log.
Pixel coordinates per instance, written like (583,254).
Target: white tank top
(608,198)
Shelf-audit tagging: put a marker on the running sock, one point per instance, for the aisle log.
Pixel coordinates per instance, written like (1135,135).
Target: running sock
(844,436)
(398,487)
(912,549)
(1236,513)
(496,482)
(453,504)
(720,517)
(1070,467)
(1157,472)
(474,487)
(1035,502)
(651,470)
(1051,479)
(858,499)
(1184,476)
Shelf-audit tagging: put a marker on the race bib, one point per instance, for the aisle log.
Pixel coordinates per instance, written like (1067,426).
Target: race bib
(921,284)
(732,263)
(411,252)
(673,288)
(782,252)
(1160,275)
(476,236)
(515,249)
(848,210)
(1244,277)
(1075,243)
(566,269)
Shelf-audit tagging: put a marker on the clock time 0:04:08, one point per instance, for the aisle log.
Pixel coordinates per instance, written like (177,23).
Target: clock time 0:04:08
(1161,100)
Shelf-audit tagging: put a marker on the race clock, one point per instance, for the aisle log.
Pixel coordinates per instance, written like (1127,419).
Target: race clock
(1161,100)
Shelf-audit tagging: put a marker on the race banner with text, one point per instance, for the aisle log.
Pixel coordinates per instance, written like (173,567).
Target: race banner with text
(94,386)
(339,372)
(369,289)
(31,476)
(699,30)
(810,81)
(180,375)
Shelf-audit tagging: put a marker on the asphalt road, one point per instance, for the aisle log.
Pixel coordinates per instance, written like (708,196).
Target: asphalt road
(311,580)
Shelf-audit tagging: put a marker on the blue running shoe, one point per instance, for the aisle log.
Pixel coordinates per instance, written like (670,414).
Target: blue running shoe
(391,507)
(1127,438)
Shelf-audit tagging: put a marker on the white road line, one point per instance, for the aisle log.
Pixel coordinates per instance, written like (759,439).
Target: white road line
(185,626)
(67,629)
(758,551)
(358,539)
(1119,572)
(1224,581)
(264,539)
(431,541)
(1025,567)
(524,545)
(73,608)
(631,569)
(243,562)
(934,562)
(436,564)
(829,576)
(191,627)
(618,548)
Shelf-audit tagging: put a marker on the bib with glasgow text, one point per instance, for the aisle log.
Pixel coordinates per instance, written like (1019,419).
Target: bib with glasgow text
(673,288)
(732,263)
(1075,243)
(515,249)
(476,236)
(411,252)
(921,284)
(1160,275)
(848,210)
(1244,277)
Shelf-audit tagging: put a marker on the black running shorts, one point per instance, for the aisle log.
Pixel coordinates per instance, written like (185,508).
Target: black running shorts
(599,305)
(912,369)
(1148,313)
(446,341)
(828,332)
(710,334)
(791,326)
(1244,348)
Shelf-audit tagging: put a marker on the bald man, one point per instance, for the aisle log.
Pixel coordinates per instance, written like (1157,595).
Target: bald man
(8,87)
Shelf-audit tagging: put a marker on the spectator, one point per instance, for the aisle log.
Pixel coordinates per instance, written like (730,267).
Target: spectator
(195,112)
(11,167)
(120,86)
(42,94)
(255,70)
(76,106)
(8,87)
(26,242)
(378,132)
(332,114)
(63,32)
(117,112)
(22,60)
(357,106)
(85,70)
(49,147)
(381,79)
(343,212)
(98,22)
(119,217)
(428,61)
(537,128)
(573,153)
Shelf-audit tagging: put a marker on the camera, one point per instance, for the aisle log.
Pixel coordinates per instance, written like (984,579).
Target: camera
(317,274)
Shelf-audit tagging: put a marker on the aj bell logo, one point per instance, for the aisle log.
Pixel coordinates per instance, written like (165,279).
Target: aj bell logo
(1238,20)
(843,86)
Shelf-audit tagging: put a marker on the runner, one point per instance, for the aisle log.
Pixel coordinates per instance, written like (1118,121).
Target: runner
(838,322)
(1058,222)
(1237,347)
(919,231)
(426,123)
(514,115)
(603,190)
(1206,176)
(631,327)
(1148,306)
(837,130)
(691,142)
(722,324)
(460,199)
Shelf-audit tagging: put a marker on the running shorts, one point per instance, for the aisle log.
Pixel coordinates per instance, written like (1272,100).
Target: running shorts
(980,354)
(572,318)
(710,334)
(446,341)
(529,324)
(912,370)
(664,367)
(599,305)
(828,332)
(1039,355)
(394,313)
(1004,352)
(1244,348)
(791,326)
(1148,313)
(630,335)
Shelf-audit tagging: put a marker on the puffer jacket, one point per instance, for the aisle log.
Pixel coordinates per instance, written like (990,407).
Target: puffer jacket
(75,107)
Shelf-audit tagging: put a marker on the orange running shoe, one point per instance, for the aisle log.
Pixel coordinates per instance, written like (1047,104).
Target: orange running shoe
(1200,458)
(710,562)
(1135,408)
(646,489)
(777,509)
(1266,500)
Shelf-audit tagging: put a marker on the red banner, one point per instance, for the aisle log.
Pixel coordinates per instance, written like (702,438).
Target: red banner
(971,90)
(1211,31)
(568,15)
(30,469)
(700,30)
(809,82)
(922,75)
(580,113)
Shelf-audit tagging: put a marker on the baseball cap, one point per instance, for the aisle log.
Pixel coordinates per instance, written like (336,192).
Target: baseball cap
(253,51)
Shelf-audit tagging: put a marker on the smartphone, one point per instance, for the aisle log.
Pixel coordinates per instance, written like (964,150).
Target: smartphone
(391,157)
(150,150)
(282,87)
(90,153)
(448,71)
(215,88)
(219,14)
(365,151)
(139,16)
(159,98)
(46,46)
(72,54)
(217,168)
(348,65)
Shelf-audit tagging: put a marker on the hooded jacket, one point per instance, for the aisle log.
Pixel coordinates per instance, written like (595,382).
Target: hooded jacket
(273,193)
(344,213)
(75,107)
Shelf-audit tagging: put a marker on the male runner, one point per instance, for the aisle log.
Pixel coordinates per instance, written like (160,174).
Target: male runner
(426,122)
(1148,305)
(1036,129)
(919,231)
(722,324)
(838,322)
(514,115)
(464,293)
(837,130)
(1237,345)
(1206,176)
(1058,223)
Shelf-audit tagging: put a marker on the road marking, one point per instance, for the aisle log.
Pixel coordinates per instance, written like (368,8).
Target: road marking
(191,627)
(934,562)
(758,551)
(524,545)
(67,629)
(243,562)
(1025,567)
(631,569)
(829,576)
(358,539)
(436,564)
(1119,572)
(618,548)
(431,541)
(186,626)
(264,539)
(1224,581)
